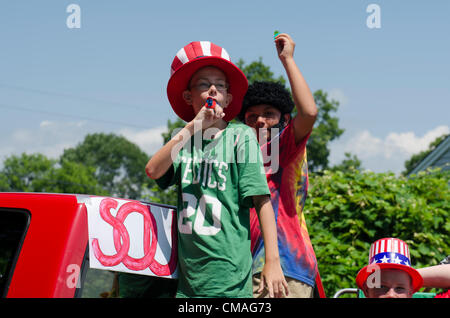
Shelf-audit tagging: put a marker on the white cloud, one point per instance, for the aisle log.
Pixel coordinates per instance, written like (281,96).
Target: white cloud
(149,140)
(410,144)
(388,154)
(45,123)
(338,94)
(21,136)
(51,138)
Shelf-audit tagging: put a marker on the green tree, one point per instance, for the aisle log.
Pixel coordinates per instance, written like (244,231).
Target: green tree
(37,173)
(119,164)
(417,158)
(25,173)
(257,71)
(73,177)
(350,163)
(169,195)
(171,128)
(326,129)
(347,211)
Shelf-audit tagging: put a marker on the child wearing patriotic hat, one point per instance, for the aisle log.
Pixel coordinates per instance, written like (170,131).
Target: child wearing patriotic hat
(217,167)
(389,273)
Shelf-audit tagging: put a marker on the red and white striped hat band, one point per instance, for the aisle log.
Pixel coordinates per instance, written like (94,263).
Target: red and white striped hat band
(389,250)
(196,50)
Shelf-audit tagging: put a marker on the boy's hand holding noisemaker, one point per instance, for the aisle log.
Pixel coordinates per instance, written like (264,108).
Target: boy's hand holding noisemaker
(210,113)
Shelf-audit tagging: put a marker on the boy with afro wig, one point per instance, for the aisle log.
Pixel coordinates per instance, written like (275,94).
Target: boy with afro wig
(266,106)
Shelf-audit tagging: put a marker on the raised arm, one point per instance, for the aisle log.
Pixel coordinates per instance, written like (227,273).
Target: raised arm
(303,98)
(436,276)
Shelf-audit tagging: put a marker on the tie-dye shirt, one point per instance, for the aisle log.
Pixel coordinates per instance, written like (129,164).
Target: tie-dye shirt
(288,184)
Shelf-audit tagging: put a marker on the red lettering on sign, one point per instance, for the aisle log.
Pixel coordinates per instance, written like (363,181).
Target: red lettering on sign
(169,268)
(122,239)
(105,213)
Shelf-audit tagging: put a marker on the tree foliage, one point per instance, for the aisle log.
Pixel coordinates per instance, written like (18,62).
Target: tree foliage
(346,212)
(37,173)
(25,173)
(103,164)
(350,163)
(326,129)
(169,195)
(119,164)
(257,71)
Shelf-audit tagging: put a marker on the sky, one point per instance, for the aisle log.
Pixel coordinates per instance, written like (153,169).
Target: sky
(388,68)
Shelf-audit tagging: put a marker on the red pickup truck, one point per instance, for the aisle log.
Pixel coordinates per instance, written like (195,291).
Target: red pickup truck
(44,248)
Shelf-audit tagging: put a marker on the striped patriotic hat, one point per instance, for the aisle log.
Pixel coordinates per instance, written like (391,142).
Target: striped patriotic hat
(390,253)
(191,58)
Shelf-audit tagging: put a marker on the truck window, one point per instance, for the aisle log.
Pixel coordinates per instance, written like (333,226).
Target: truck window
(13,226)
(99,284)
(96,283)
(108,284)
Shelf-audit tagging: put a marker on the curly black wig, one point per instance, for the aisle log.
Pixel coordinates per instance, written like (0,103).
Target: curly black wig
(270,93)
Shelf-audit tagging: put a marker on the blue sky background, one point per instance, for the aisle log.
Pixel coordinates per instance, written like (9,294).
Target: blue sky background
(58,84)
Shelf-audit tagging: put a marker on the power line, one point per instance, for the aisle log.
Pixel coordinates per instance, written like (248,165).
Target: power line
(71,96)
(20,108)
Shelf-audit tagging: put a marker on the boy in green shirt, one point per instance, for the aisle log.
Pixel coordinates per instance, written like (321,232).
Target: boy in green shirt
(218,169)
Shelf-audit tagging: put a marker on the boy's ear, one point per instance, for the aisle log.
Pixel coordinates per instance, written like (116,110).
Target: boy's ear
(287,118)
(229,98)
(187,96)
(365,290)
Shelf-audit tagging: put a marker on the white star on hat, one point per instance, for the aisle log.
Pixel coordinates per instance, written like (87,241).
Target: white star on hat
(384,259)
(397,260)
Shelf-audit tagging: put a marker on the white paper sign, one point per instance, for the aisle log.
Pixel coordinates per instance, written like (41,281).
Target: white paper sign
(131,236)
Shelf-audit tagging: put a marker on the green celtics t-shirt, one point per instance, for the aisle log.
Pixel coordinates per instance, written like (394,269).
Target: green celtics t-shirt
(216,180)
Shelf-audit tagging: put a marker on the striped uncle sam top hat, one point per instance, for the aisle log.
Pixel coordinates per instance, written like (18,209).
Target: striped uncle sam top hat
(191,58)
(390,253)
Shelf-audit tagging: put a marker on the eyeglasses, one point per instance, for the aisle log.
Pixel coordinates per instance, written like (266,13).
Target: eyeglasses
(252,118)
(203,86)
